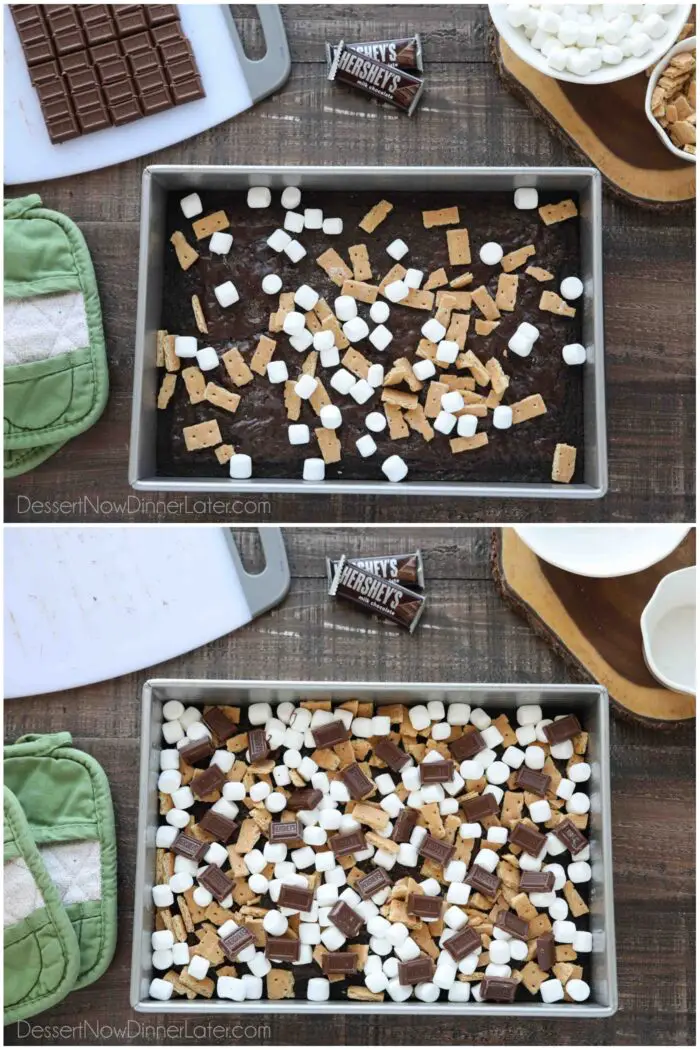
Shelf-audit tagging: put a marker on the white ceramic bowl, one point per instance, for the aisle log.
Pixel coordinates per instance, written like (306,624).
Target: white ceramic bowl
(669,631)
(682,45)
(602,550)
(629,67)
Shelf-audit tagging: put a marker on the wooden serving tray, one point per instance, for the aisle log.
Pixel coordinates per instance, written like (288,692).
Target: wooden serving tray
(606,125)
(594,623)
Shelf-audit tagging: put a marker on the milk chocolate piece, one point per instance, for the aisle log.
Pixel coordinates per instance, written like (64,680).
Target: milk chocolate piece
(527,838)
(546,956)
(187,91)
(569,834)
(358,785)
(45,72)
(536,881)
(236,942)
(475,809)
(181,69)
(346,920)
(371,77)
(562,729)
(159,13)
(218,825)
(435,849)
(218,884)
(126,111)
(532,780)
(348,842)
(162,34)
(498,989)
(68,40)
(129,18)
(143,62)
(404,52)
(220,724)
(416,970)
(425,907)
(298,897)
(156,101)
(387,599)
(258,747)
(339,962)
(207,782)
(282,949)
(436,772)
(467,745)
(483,881)
(93,119)
(512,924)
(113,70)
(190,847)
(391,753)
(404,568)
(196,752)
(76,60)
(304,798)
(404,825)
(464,942)
(136,42)
(375,881)
(330,734)
(286,831)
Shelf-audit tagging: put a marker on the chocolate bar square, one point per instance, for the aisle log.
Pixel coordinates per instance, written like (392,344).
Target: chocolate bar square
(159,13)
(130,18)
(75,60)
(69,40)
(113,69)
(126,111)
(138,42)
(62,17)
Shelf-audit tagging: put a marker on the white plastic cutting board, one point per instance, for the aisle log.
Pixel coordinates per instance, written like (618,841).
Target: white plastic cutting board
(86,604)
(29,153)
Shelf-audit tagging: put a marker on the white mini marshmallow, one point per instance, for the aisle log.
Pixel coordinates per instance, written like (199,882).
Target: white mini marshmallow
(330,358)
(540,811)
(182,881)
(571,288)
(220,243)
(396,291)
(306,297)
(445,422)
(291,195)
(564,931)
(503,417)
(305,386)
(275,923)
(332,227)
(240,466)
(397,249)
(497,835)
(413,278)
(520,345)
(458,714)
(423,369)
(169,781)
(271,283)
(433,330)
(278,240)
(583,941)
(487,858)
(294,250)
(380,337)
(313,218)
(294,222)
(324,340)
(574,354)
(259,197)
(277,372)
(447,353)
(162,960)
(497,773)
(452,401)
(345,308)
(551,991)
(191,205)
(526,198)
(331,417)
(165,836)
(379,312)
(534,757)
(183,798)
(356,329)
(198,967)
(466,425)
(302,341)
(185,346)
(528,714)
(491,253)
(579,772)
(361,391)
(366,445)
(375,375)
(163,990)
(226,294)
(563,751)
(579,871)
(455,918)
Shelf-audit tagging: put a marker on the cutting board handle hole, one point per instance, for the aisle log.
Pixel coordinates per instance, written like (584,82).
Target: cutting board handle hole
(249,30)
(250,550)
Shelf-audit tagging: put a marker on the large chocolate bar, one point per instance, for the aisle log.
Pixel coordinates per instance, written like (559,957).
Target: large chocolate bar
(404,568)
(371,77)
(390,600)
(404,52)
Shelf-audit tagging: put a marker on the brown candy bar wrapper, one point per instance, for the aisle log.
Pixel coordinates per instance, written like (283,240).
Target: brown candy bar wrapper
(388,599)
(404,52)
(371,77)
(406,569)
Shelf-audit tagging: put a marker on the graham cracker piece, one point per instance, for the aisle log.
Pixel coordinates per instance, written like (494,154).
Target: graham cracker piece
(504,728)
(309,366)
(539,273)
(436,279)
(186,255)
(458,329)
(335,266)
(236,367)
(263,355)
(398,427)
(528,408)
(564,953)
(167,389)
(474,410)
(332,324)
(360,290)
(539,926)
(199,318)
(375,216)
(323,310)
(419,299)
(223,453)
(401,398)
(533,977)
(462,280)
(457,300)
(202,435)
(209,946)
(204,227)
(468,444)
(329,444)
(161,336)
(204,987)
(482,327)
(363,994)
(396,273)
(312,321)
(417,420)
(554,304)
(172,978)
(460,383)
(471,361)
(512,808)
(356,362)
(446,304)
(433,405)
(359,260)
(485,303)
(499,380)
(172,361)
(195,384)
(523,906)
(458,248)
(551,213)
(247,837)
(319,399)
(185,913)
(374,816)
(576,903)
(507,292)
(518,258)
(221,397)
(401,372)
(441,217)
(426,349)
(563,463)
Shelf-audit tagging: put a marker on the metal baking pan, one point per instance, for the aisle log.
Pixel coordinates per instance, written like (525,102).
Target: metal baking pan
(158,180)
(589,702)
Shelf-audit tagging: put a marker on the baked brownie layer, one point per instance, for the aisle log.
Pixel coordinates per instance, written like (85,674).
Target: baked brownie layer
(259,427)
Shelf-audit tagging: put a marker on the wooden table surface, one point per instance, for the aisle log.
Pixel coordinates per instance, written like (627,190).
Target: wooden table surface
(467,634)
(466,118)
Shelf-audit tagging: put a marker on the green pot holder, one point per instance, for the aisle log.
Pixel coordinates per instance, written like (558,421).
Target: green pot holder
(62,826)
(55,378)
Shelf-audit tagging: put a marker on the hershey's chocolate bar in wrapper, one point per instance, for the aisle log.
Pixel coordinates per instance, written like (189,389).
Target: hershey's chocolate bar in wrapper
(404,52)
(384,597)
(406,569)
(384,82)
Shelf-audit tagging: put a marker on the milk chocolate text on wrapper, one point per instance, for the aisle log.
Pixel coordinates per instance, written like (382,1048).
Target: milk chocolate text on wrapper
(391,600)
(376,78)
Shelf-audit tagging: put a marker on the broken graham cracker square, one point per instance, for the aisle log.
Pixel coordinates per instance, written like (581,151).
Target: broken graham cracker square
(551,213)
(195,384)
(441,217)
(499,380)
(360,290)
(335,266)
(333,324)
(482,327)
(528,408)
(221,397)
(224,453)
(398,428)
(396,273)
(263,355)
(539,274)
(433,401)
(417,420)
(471,361)
(513,260)
(485,303)
(236,367)
(401,398)
(356,362)
(507,291)
(419,299)
(401,372)
(375,216)
(202,435)
(161,336)
(292,401)
(172,361)
(436,279)
(458,249)
(462,280)
(468,444)
(329,444)
(458,329)
(218,220)
(554,304)
(319,399)
(167,389)
(563,463)
(359,260)
(186,254)
(199,318)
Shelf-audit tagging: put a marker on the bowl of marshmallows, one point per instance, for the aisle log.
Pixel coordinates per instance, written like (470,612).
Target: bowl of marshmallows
(590,43)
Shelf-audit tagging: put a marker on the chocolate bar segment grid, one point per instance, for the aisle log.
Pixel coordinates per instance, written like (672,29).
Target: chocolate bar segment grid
(96,66)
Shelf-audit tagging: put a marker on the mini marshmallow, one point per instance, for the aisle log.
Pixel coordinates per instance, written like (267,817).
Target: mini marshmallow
(571,288)
(165,836)
(294,250)
(455,871)
(407,950)
(413,278)
(226,294)
(223,759)
(271,284)
(181,953)
(419,717)
(525,735)
(497,773)
(487,858)
(356,330)
(458,893)
(563,751)
(305,387)
(366,445)
(169,781)
(497,835)
(520,345)
(216,854)
(564,931)
(579,772)
(433,330)
(277,372)
(259,197)
(574,354)
(491,253)
(375,375)
(294,222)
(313,470)
(551,991)
(202,897)
(502,417)
(446,354)
(445,422)
(441,731)
(558,908)
(499,952)
(299,434)
(294,323)
(170,758)
(423,369)
(306,297)
(207,358)
(291,195)
(198,967)
(473,830)
(526,198)
(361,391)
(278,240)
(331,417)
(234,791)
(330,358)
(162,960)
(334,939)
(455,918)
(534,757)
(579,871)
(540,811)
(528,714)
(275,923)
(191,205)
(275,802)
(163,990)
(458,714)
(466,425)
(583,941)
(185,346)
(183,798)
(198,731)
(578,990)
(182,881)
(396,291)
(333,227)
(324,340)
(397,249)
(313,218)
(380,337)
